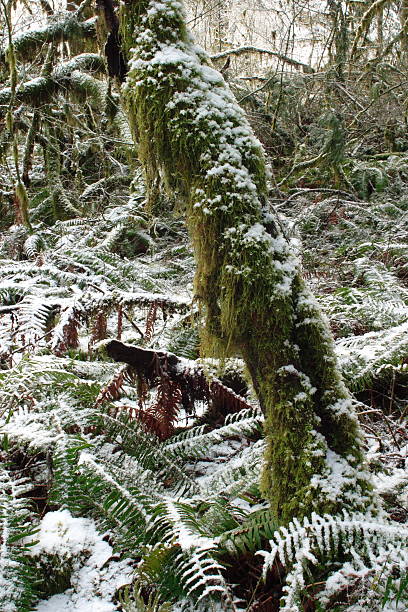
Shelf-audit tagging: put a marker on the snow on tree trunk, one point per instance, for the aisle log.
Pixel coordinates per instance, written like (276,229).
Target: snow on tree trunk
(194,138)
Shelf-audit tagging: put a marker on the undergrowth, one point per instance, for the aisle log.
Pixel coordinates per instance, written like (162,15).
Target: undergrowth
(186,512)
(131,489)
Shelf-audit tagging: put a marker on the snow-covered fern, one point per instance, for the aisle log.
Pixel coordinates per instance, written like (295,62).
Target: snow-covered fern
(17,585)
(367,544)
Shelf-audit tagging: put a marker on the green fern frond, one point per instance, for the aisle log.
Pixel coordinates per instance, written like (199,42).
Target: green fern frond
(12,294)
(17,574)
(34,245)
(157,572)
(126,509)
(39,379)
(177,524)
(184,342)
(68,487)
(257,527)
(236,476)
(26,383)
(195,442)
(131,437)
(36,315)
(132,600)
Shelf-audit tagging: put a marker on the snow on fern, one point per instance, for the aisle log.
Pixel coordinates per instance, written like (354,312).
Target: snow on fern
(364,357)
(369,546)
(175,523)
(16,574)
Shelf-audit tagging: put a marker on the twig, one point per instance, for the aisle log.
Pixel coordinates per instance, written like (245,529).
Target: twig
(133,324)
(348,94)
(251,49)
(33,344)
(364,110)
(386,419)
(371,430)
(319,190)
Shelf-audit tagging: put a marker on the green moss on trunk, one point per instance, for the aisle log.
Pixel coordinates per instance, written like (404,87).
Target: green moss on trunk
(195,139)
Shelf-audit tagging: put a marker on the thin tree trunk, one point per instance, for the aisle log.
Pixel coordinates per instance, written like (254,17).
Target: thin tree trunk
(380,31)
(404,27)
(193,135)
(21,202)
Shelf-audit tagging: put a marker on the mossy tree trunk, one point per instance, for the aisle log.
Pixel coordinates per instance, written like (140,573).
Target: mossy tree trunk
(21,202)
(193,136)
(339,45)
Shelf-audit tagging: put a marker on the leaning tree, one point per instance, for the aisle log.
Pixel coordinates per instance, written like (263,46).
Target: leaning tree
(194,139)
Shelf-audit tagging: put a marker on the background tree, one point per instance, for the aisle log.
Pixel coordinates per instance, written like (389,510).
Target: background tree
(57,95)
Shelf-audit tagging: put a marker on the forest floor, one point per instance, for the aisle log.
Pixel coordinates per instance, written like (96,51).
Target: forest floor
(69,288)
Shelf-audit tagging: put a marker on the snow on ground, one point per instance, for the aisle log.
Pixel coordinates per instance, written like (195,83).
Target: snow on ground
(96,572)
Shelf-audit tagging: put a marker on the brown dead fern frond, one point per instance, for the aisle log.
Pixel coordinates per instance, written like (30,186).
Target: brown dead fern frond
(114,388)
(66,333)
(161,416)
(99,328)
(225,399)
(120,322)
(150,321)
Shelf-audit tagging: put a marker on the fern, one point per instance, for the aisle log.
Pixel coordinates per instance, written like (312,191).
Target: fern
(132,600)
(127,507)
(184,342)
(36,380)
(138,518)
(133,439)
(366,357)
(67,486)
(17,574)
(196,442)
(65,333)
(176,524)
(237,475)
(36,315)
(367,544)
(366,178)
(161,416)
(33,245)
(257,527)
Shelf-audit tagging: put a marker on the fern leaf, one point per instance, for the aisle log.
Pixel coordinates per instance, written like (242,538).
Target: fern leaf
(365,543)
(33,245)
(196,442)
(362,358)
(257,527)
(17,574)
(176,524)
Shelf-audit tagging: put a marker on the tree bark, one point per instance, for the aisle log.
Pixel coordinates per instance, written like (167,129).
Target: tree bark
(194,137)
(403,15)
(108,26)
(340,41)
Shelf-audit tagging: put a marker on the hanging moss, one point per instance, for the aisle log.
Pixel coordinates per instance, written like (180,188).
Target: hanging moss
(27,45)
(194,138)
(22,203)
(67,76)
